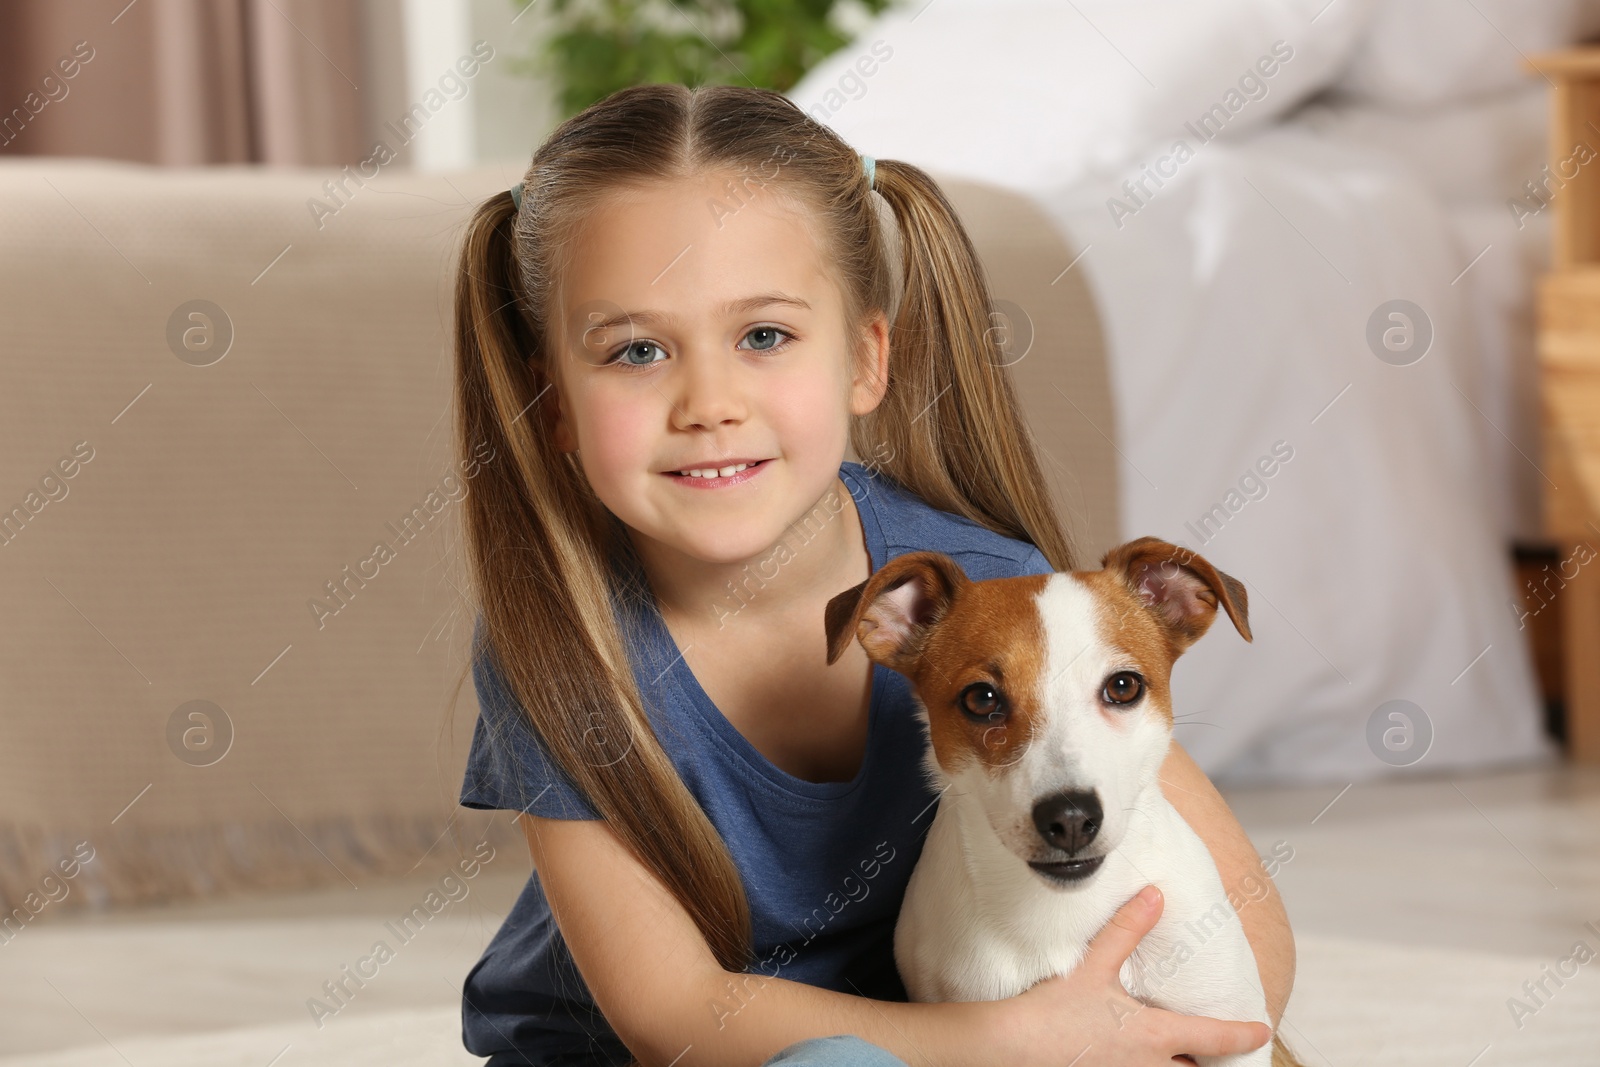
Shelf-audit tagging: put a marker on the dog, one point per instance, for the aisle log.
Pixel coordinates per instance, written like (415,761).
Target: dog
(1048,714)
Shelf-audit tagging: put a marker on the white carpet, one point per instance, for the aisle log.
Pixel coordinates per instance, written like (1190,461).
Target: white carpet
(1354,1003)
(1360,1003)
(1388,882)
(424,1037)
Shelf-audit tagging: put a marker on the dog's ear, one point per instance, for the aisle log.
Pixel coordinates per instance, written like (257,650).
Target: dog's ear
(1180,587)
(893,611)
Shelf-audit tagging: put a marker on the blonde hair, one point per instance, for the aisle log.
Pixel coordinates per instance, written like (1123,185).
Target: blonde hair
(548,561)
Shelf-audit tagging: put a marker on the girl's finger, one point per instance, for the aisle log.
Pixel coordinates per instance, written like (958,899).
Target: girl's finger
(1199,1035)
(1120,936)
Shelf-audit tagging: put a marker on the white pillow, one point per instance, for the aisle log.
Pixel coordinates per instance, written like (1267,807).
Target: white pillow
(1422,53)
(1040,94)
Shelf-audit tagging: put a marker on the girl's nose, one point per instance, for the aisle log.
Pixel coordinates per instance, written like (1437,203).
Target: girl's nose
(707,391)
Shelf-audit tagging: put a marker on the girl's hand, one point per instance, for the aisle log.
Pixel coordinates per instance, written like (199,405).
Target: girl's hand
(1087,1018)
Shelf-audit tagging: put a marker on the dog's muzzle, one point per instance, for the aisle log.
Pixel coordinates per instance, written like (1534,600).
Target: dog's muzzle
(1068,822)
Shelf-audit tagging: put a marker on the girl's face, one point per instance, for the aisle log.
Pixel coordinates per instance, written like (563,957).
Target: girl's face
(731,347)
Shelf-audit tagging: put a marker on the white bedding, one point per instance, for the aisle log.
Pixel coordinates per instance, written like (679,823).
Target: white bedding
(1236,299)
(1034,94)
(1477,156)
(1426,53)
(1479,150)
(1236,307)
(1501,287)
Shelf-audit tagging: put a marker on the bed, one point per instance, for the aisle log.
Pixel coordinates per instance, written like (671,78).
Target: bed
(1247,187)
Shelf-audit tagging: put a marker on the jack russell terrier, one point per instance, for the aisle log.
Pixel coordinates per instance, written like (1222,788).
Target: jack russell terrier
(1048,712)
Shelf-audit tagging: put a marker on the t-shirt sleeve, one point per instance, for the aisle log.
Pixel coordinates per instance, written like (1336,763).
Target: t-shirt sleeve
(508,765)
(1035,563)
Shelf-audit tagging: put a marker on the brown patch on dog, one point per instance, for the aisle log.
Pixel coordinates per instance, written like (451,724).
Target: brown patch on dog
(1126,624)
(1154,599)
(920,615)
(1181,587)
(895,609)
(994,635)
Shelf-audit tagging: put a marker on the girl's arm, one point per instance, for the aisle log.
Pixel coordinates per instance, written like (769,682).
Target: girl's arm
(663,992)
(1266,924)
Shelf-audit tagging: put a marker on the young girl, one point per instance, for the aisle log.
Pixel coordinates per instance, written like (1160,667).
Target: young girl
(668,332)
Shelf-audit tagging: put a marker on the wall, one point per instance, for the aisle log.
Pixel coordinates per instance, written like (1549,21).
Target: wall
(413,43)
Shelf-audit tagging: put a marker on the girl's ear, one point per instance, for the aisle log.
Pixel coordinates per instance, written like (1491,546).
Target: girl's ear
(871,378)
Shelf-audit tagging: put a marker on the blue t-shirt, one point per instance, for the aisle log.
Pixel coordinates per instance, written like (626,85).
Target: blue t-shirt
(824,864)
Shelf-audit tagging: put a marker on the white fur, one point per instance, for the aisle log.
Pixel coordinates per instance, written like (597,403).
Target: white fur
(979,924)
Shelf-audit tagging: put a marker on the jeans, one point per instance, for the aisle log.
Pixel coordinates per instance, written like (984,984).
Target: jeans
(840,1050)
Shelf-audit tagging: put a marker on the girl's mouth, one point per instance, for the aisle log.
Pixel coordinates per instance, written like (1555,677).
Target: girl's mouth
(708,478)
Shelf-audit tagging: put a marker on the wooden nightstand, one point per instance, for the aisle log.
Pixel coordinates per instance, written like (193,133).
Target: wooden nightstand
(1569,371)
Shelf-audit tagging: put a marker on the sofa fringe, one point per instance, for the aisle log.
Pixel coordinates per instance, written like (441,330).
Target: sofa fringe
(145,865)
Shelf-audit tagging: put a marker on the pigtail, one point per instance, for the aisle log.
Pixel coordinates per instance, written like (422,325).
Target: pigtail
(538,545)
(950,427)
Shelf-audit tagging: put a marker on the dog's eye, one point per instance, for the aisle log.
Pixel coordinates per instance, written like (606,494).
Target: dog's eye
(982,701)
(1124,687)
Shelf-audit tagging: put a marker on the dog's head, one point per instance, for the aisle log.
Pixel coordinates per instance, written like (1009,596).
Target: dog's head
(1046,697)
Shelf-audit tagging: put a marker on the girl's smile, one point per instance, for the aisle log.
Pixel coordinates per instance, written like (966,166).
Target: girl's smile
(736,472)
(710,390)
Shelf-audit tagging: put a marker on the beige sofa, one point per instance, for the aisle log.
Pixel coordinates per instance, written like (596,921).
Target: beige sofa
(217,401)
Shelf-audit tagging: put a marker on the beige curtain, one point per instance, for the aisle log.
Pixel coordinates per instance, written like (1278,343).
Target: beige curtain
(183,82)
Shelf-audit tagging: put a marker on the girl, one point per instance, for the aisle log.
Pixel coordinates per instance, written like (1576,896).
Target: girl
(669,331)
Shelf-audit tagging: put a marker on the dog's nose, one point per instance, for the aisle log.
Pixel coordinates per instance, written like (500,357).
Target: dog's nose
(1069,821)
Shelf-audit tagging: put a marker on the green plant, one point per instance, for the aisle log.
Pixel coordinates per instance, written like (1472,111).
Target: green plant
(599,46)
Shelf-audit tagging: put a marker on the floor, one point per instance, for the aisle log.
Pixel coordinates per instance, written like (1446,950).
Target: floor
(1420,907)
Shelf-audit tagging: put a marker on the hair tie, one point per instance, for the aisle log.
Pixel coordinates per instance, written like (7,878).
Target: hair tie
(890,226)
(516,196)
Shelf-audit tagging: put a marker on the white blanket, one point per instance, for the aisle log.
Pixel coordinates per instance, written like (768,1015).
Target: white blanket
(1237,303)
(1237,293)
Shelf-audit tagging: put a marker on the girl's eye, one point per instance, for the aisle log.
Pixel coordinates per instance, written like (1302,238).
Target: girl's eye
(766,336)
(770,334)
(980,700)
(625,354)
(1124,687)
